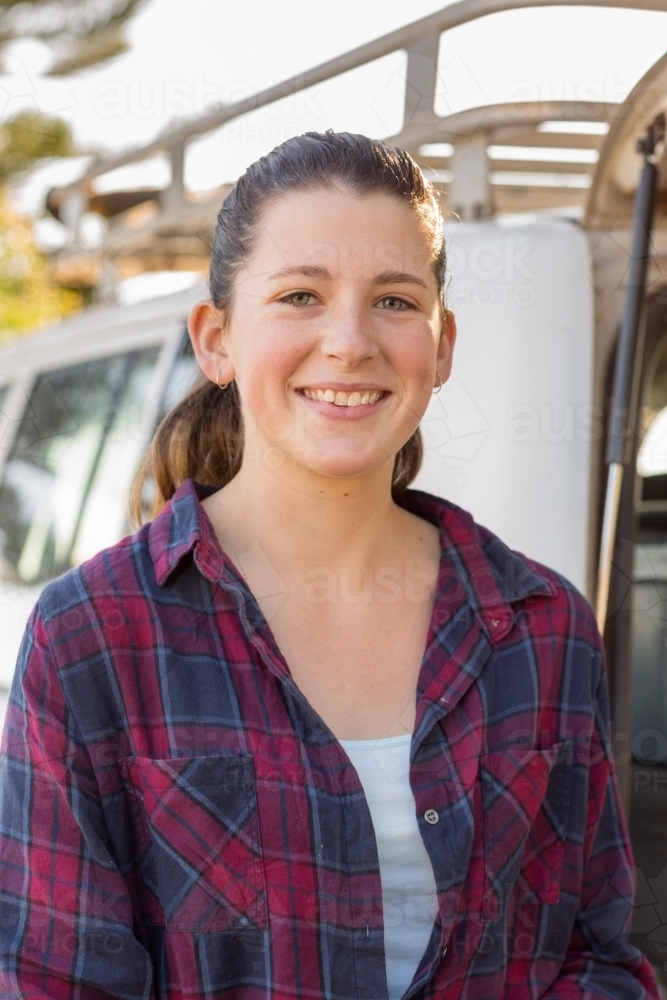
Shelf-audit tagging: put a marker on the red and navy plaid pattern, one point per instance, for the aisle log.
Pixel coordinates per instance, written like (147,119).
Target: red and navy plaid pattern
(178,822)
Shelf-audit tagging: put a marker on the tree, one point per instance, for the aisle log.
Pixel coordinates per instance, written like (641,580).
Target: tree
(29,298)
(80,33)
(30,137)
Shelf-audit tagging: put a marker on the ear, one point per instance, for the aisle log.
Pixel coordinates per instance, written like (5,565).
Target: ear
(205,326)
(445,351)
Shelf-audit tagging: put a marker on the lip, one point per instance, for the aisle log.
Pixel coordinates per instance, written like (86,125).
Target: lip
(344,412)
(344,387)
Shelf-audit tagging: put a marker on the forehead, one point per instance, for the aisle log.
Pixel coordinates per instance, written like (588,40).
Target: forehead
(341,231)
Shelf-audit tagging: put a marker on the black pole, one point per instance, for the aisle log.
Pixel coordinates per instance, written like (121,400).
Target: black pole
(620,442)
(621,425)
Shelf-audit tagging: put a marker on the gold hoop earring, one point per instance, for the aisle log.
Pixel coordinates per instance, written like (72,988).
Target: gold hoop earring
(217,381)
(436,391)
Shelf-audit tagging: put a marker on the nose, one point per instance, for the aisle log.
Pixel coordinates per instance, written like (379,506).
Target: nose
(348,337)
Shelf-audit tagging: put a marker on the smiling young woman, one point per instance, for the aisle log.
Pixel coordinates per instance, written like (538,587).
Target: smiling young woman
(310,733)
(335,338)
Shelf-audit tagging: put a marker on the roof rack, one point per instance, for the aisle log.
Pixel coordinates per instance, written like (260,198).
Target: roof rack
(513,157)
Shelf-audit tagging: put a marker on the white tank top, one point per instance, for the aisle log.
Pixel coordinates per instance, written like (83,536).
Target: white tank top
(409,898)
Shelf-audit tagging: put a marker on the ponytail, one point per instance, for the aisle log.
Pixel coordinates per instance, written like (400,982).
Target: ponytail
(201,438)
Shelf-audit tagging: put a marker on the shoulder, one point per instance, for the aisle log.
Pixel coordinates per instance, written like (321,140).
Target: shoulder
(94,593)
(561,600)
(89,631)
(548,598)
(556,624)
(77,620)
(554,636)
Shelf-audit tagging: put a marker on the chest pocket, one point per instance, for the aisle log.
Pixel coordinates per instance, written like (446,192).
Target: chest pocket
(197,831)
(526,796)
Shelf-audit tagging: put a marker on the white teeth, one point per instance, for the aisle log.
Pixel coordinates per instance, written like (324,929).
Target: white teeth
(341,398)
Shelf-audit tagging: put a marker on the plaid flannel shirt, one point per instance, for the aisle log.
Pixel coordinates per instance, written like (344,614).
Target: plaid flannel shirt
(178,821)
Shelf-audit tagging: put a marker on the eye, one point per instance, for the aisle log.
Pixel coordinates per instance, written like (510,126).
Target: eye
(394,303)
(299,299)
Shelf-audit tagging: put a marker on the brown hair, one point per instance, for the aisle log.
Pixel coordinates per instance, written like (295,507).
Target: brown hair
(202,437)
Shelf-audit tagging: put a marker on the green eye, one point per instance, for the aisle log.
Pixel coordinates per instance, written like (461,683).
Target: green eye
(393,303)
(299,298)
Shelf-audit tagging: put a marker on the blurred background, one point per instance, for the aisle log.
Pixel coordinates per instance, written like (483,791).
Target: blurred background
(123,123)
(82,79)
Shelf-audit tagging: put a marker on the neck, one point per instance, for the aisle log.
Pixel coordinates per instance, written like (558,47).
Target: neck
(306,520)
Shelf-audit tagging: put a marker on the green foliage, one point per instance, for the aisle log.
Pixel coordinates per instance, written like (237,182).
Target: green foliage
(29,298)
(80,33)
(30,137)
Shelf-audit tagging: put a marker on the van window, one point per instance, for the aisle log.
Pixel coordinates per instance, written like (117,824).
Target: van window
(182,376)
(64,486)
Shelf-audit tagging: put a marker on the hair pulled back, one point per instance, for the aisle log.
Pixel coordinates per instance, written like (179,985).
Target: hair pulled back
(202,436)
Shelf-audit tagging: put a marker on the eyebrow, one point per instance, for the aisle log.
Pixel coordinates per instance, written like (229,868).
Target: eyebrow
(398,278)
(314,271)
(307,270)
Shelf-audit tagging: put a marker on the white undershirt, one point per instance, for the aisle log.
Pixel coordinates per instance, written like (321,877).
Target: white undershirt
(409,898)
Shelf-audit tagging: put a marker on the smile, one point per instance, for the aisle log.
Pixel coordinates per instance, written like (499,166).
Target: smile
(340,398)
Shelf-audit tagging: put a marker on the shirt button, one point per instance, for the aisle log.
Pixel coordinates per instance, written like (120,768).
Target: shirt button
(431,816)
(444,951)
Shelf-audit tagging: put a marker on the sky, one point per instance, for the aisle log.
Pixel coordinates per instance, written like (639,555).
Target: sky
(187,57)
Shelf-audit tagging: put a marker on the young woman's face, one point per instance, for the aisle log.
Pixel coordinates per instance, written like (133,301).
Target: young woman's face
(335,335)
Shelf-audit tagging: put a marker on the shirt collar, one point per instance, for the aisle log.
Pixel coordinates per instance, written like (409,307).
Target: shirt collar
(492,575)
(182,529)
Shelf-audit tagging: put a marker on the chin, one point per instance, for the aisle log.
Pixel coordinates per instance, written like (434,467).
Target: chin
(345,466)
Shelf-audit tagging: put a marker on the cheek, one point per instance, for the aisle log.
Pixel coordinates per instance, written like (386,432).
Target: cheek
(413,359)
(415,364)
(268,362)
